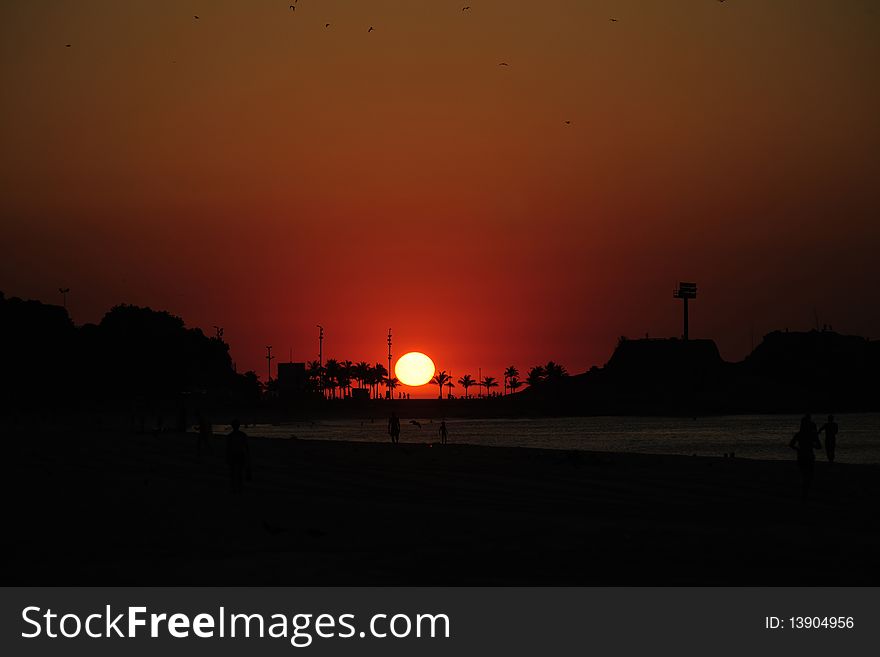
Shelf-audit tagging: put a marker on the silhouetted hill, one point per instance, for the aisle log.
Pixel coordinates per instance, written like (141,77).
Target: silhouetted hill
(787,372)
(133,353)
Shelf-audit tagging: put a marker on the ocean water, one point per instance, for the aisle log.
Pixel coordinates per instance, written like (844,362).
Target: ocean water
(748,436)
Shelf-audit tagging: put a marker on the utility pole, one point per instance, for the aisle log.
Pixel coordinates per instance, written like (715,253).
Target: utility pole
(320,346)
(64,291)
(321,358)
(269,358)
(684,292)
(388,383)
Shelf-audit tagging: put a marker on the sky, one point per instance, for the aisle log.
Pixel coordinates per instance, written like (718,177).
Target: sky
(256,170)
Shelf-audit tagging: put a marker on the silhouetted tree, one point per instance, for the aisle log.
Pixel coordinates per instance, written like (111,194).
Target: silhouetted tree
(331,376)
(466,382)
(449,386)
(439,380)
(392,382)
(345,374)
(514,383)
(510,373)
(535,376)
(554,372)
(360,373)
(488,383)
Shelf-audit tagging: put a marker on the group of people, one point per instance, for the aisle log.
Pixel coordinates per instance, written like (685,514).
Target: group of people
(394,430)
(806,440)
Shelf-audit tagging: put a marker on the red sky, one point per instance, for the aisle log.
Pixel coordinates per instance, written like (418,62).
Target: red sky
(256,170)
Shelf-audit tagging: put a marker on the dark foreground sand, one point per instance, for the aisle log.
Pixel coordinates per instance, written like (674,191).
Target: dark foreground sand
(111,508)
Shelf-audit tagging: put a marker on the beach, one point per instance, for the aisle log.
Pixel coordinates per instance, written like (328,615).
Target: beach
(109,507)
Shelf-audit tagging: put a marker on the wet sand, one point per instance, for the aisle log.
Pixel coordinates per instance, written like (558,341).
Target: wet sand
(115,508)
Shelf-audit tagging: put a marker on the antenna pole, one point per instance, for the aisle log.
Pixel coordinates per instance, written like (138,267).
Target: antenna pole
(388,386)
(269,358)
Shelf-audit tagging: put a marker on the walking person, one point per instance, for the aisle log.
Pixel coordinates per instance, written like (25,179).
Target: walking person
(394,428)
(444,432)
(804,442)
(830,428)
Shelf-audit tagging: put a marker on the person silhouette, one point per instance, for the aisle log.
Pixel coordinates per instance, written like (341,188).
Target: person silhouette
(444,432)
(830,428)
(237,456)
(805,441)
(394,428)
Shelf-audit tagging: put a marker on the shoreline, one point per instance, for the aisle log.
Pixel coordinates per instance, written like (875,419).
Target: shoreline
(110,508)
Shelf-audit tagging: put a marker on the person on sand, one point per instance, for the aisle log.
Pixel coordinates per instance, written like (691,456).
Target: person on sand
(830,428)
(805,441)
(394,428)
(237,456)
(444,432)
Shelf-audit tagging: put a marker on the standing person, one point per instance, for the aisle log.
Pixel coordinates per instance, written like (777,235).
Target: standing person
(444,432)
(805,441)
(394,428)
(830,428)
(237,456)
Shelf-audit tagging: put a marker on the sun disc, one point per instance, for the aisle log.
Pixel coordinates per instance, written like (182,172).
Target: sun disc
(414,369)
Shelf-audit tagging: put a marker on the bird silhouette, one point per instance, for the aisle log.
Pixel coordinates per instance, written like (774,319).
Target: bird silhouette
(67,45)
(503,64)
(613,20)
(466,8)
(371,29)
(292,8)
(326,24)
(196,17)
(568,123)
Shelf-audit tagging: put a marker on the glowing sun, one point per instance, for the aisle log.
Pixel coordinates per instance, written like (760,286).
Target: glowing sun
(414,369)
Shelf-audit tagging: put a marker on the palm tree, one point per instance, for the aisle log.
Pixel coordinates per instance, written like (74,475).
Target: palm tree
(440,380)
(331,375)
(513,384)
(554,371)
(536,376)
(449,386)
(379,375)
(346,373)
(466,382)
(510,373)
(488,383)
(359,373)
(392,382)
(315,374)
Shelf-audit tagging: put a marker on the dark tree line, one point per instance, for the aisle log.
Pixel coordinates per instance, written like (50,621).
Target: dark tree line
(131,353)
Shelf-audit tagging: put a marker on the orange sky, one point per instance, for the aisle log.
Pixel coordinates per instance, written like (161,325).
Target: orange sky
(256,170)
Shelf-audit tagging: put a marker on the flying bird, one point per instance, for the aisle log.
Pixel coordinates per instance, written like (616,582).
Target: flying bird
(466,8)
(503,64)
(370,30)
(568,123)
(196,17)
(613,20)
(67,45)
(292,8)
(326,24)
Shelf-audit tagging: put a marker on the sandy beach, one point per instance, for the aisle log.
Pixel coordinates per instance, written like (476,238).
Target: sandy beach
(116,508)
